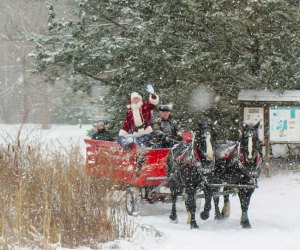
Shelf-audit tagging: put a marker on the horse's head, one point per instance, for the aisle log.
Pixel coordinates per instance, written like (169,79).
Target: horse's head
(250,140)
(206,140)
(251,153)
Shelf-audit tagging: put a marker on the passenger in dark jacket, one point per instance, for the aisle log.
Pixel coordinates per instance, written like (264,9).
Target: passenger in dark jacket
(166,130)
(102,133)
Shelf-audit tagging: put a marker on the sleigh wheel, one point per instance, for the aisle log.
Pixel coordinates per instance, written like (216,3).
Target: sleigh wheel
(132,201)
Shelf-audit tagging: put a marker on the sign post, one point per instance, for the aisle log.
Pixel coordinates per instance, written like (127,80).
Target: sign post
(279,113)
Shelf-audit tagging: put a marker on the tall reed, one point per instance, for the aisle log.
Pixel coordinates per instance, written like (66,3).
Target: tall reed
(47,200)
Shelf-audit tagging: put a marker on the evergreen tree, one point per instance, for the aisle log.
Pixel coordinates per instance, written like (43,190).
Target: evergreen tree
(178,46)
(255,46)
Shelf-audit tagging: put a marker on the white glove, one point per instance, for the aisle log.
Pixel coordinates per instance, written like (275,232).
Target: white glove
(150,89)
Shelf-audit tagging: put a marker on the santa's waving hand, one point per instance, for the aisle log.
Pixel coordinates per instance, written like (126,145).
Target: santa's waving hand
(139,114)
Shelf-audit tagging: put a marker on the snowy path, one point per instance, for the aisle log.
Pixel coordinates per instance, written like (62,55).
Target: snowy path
(274,215)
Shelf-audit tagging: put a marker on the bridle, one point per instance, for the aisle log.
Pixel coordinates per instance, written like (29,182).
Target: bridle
(206,142)
(206,148)
(249,156)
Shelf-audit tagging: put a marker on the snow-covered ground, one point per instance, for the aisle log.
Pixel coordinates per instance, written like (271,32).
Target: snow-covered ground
(274,211)
(56,137)
(274,215)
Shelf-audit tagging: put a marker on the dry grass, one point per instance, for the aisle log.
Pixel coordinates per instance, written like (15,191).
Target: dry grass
(47,200)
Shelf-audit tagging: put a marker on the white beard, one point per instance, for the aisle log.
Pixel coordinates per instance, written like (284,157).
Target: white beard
(136,113)
(136,105)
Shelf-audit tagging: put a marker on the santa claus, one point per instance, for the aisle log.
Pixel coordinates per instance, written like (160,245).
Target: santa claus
(139,114)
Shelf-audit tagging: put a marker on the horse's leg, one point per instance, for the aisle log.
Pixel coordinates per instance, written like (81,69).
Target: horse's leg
(207,206)
(226,207)
(218,215)
(190,205)
(245,196)
(173,188)
(173,215)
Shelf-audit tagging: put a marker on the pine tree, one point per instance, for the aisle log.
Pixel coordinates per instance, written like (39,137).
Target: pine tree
(256,47)
(178,46)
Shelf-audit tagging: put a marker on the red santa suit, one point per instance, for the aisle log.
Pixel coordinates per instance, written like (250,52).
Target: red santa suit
(139,115)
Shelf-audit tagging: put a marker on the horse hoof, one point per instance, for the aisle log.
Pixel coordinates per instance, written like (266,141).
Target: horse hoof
(173,218)
(194,225)
(218,216)
(224,216)
(204,216)
(246,225)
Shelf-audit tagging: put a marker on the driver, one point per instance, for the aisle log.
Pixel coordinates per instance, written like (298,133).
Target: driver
(166,130)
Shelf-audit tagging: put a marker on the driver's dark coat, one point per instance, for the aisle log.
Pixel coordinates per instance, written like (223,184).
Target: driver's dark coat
(165,127)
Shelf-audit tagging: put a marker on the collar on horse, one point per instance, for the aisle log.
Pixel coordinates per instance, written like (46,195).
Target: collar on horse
(192,158)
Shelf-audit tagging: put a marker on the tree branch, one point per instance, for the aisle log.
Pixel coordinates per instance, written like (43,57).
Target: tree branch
(109,19)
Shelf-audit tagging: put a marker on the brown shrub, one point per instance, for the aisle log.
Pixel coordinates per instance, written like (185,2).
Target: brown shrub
(47,200)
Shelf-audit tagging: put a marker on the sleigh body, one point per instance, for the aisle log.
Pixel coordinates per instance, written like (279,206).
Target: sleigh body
(107,160)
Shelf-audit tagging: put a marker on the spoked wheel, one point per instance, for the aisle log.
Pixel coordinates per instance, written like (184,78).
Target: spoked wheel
(132,201)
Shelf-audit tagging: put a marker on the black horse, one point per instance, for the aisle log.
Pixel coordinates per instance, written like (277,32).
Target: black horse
(187,163)
(239,169)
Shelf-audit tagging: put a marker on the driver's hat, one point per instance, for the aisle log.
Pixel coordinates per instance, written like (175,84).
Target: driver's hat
(165,107)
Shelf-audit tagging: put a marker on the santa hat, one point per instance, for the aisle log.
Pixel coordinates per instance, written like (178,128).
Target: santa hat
(135,94)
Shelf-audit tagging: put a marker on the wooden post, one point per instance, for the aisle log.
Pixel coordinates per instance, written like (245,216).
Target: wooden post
(241,115)
(266,168)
